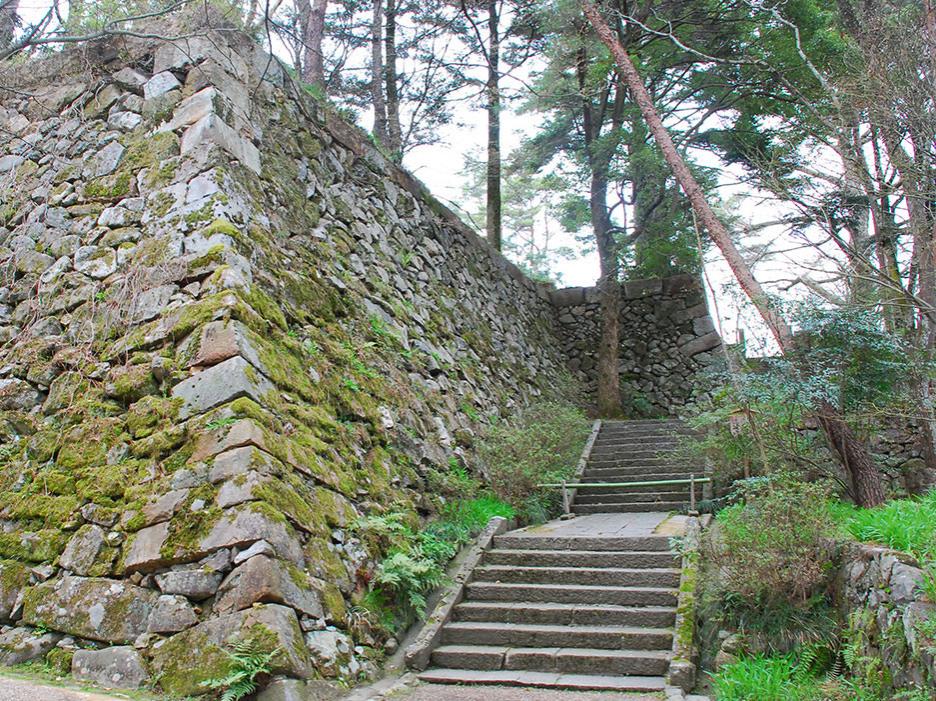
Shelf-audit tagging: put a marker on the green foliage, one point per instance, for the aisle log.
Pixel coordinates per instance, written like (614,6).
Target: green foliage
(410,575)
(774,554)
(247,660)
(790,677)
(416,559)
(902,524)
(541,444)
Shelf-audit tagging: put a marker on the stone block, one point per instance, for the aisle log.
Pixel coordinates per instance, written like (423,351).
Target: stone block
(263,579)
(701,344)
(635,289)
(19,645)
(198,106)
(14,578)
(18,395)
(143,551)
(195,584)
(219,384)
(241,461)
(112,667)
(208,643)
(212,130)
(160,84)
(96,261)
(243,525)
(171,614)
(96,608)
(83,550)
(221,340)
(244,432)
(240,490)
(298,690)
(105,161)
(130,79)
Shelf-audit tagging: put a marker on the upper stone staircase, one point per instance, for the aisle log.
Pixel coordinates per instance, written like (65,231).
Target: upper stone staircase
(586,603)
(636,451)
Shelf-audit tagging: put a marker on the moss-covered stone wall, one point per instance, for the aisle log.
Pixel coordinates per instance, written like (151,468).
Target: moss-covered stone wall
(229,329)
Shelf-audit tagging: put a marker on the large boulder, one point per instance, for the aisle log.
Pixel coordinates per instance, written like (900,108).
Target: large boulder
(96,608)
(265,579)
(120,667)
(270,627)
(19,645)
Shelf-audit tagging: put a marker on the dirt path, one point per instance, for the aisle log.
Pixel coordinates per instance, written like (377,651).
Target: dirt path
(22,690)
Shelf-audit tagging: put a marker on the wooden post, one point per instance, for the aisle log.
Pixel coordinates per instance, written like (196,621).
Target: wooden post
(692,508)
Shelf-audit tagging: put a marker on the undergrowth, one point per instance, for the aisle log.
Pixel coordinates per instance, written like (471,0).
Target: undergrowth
(416,557)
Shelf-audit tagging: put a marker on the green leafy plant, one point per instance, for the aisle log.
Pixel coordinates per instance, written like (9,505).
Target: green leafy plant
(246,661)
(542,444)
(410,576)
(215,424)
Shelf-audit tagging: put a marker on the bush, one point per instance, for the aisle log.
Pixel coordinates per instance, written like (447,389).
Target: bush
(774,548)
(541,444)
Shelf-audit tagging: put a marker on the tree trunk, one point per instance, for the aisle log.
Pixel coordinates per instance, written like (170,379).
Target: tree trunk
(493,222)
(312,23)
(395,133)
(377,75)
(855,457)
(8,22)
(866,480)
(609,294)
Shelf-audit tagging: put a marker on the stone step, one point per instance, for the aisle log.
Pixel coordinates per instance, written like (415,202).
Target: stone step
(610,496)
(643,490)
(653,543)
(590,595)
(667,461)
(601,576)
(671,468)
(629,508)
(579,558)
(618,476)
(554,659)
(615,423)
(540,635)
(625,451)
(544,680)
(565,614)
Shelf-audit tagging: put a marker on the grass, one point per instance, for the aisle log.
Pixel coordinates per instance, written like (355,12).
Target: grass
(903,524)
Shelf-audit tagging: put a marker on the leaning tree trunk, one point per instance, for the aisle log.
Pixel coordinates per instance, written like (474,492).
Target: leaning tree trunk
(854,456)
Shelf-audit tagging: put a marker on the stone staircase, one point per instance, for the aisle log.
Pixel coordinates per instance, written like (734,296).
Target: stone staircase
(636,451)
(574,611)
(587,603)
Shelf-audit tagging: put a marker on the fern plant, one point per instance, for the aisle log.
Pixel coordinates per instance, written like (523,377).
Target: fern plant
(410,578)
(246,661)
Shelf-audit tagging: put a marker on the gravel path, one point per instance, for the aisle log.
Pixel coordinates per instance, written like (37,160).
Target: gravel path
(442,692)
(19,690)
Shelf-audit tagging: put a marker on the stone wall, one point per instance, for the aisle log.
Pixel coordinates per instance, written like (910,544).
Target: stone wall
(891,629)
(667,340)
(229,328)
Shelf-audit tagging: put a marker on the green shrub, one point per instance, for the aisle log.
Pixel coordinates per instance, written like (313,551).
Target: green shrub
(775,547)
(541,444)
(246,662)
